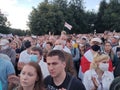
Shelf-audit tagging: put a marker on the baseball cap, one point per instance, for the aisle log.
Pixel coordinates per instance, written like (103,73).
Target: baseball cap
(96,40)
(4,42)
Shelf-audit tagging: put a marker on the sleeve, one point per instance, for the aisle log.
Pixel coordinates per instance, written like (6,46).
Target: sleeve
(10,69)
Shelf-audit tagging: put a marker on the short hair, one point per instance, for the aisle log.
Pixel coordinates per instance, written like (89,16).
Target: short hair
(27,44)
(49,43)
(98,58)
(37,49)
(58,53)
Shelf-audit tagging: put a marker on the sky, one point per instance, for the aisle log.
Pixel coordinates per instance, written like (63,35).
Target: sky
(17,11)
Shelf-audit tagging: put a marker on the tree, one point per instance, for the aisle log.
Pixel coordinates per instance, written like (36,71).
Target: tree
(100,25)
(46,17)
(3,21)
(50,16)
(111,17)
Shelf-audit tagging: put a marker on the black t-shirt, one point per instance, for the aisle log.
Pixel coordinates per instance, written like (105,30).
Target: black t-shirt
(76,84)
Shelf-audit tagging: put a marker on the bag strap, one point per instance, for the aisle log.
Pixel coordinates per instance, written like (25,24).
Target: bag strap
(70,83)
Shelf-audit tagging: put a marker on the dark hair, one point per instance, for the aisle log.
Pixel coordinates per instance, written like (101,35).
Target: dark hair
(39,83)
(37,49)
(68,40)
(109,43)
(58,53)
(49,43)
(27,44)
(115,85)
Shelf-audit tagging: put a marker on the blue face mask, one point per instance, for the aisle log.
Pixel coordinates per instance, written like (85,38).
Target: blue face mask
(34,58)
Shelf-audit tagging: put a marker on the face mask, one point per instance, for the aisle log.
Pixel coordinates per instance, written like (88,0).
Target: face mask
(58,47)
(104,66)
(95,47)
(4,47)
(34,58)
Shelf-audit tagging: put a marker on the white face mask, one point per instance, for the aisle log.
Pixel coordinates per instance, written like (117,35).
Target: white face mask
(104,66)
(58,47)
(4,47)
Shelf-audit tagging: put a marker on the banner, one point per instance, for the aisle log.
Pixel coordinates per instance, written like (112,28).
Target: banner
(68,26)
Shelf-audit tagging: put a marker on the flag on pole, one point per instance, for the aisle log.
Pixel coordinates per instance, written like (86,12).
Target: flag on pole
(68,26)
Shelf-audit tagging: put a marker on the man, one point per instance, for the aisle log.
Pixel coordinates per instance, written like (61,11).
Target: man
(6,70)
(24,55)
(37,56)
(59,45)
(6,49)
(58,78)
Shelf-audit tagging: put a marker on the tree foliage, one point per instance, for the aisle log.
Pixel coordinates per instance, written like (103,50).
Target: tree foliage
(50,16)
(3,21)
(108,17)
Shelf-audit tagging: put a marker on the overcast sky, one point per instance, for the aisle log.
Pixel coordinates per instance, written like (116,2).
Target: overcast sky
(17,11)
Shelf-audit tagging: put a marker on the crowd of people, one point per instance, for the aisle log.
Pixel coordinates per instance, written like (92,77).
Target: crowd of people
(60,62)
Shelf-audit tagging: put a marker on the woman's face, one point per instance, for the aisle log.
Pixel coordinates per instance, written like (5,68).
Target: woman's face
(28,76)
(103,65)
(107,46)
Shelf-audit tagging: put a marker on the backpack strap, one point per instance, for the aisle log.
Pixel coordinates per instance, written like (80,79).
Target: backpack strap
(70,83)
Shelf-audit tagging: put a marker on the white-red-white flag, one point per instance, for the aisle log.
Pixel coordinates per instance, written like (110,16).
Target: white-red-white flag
(68,26)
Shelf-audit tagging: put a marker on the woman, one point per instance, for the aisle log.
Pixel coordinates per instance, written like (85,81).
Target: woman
(30,77)
(108,50)
(98,77)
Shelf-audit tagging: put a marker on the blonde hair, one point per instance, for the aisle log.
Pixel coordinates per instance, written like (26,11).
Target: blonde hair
(98,58)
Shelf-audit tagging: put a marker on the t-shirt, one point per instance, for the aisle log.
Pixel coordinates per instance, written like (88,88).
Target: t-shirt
(76,84)
(6,69)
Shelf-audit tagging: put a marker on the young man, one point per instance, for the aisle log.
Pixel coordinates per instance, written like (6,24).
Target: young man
(37,56)
(58,78)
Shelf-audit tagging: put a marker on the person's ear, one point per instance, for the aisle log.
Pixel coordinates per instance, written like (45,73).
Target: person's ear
(64,64)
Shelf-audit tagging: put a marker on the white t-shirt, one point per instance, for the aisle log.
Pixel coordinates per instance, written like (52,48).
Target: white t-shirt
(44,68)
(24,57)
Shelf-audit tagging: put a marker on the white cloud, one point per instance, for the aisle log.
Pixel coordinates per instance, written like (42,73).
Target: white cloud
(97,7)
(15,14)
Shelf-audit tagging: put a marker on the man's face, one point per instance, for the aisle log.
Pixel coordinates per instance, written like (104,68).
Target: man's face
(36,53)
(48,47)
(55,66)
(113,40)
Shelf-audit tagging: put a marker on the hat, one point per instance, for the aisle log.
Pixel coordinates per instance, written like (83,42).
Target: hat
(4,41)
(84,37)
(117,37)
(81,45)
(96,40)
